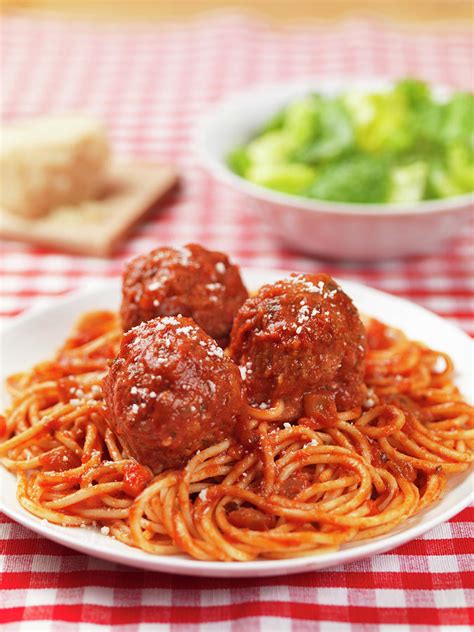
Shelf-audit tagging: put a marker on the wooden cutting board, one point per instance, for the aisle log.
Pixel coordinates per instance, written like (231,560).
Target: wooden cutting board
(96,227)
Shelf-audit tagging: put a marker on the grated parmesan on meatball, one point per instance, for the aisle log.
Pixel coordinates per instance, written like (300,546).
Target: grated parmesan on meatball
(297,337)
(190,281)
(172,391)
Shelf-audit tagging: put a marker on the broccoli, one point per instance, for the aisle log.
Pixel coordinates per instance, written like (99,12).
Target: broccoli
(399,145)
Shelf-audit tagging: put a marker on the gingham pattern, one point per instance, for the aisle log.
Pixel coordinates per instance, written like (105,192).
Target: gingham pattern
(149,84)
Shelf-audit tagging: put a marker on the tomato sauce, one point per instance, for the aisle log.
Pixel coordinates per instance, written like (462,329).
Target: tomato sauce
(135,478)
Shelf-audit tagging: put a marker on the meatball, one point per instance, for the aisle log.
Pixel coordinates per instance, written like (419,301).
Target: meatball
(190,281)
(171,391)
(299,337)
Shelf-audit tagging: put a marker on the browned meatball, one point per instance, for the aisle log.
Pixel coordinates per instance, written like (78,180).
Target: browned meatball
(171,391)
(190,281)
(298,337)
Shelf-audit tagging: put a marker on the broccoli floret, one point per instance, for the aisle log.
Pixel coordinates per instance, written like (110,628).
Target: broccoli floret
(335,138)
(408,183)
(357,179)
(303,120)
(287,178)
(239,161)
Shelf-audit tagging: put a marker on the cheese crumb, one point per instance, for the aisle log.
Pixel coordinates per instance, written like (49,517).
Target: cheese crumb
(440,365)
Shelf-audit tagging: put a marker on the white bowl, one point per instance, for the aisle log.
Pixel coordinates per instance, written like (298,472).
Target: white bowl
(331,229)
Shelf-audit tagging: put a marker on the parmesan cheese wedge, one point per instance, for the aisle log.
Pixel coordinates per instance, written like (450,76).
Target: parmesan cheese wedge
(50,162)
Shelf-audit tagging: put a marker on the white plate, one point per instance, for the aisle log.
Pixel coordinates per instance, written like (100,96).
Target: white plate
(35,336)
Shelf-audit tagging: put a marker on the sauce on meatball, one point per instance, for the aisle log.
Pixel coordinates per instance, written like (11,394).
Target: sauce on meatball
(300,341)
(172,391)
(189,281)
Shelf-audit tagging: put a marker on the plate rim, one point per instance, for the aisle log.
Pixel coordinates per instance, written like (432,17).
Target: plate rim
(182,565)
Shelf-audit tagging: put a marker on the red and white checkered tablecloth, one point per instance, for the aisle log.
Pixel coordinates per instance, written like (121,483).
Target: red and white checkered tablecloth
(149,83)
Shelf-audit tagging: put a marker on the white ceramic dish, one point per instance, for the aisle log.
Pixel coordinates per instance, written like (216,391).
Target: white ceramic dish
(36,335)
(331,229)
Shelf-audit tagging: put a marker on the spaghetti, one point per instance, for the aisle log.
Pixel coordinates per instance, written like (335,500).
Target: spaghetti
(304,488)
